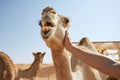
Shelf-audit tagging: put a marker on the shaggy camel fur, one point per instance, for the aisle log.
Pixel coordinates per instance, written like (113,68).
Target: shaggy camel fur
(7,68)
(31,72)
(53,27)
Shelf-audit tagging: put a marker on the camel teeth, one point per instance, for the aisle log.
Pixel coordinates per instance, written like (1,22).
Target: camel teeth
(46,28)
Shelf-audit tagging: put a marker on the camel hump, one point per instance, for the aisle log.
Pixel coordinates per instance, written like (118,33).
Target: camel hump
(88,44)
(7,69)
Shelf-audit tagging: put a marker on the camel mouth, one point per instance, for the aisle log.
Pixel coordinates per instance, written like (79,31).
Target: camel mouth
(47,29)
(49,24)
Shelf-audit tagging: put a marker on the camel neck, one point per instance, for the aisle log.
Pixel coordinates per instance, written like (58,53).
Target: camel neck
(34,67)
(61,61)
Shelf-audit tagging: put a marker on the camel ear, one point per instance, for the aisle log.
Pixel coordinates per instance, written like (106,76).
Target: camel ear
(44,53)
(65,21)
(33,53)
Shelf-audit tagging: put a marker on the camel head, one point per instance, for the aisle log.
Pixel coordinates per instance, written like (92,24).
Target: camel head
(39,56)
(53,27)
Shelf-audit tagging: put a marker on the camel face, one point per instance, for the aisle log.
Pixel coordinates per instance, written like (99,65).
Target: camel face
(39,56)
(53,27)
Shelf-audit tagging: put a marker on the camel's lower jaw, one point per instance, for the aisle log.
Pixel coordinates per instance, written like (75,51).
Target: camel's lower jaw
(46,35)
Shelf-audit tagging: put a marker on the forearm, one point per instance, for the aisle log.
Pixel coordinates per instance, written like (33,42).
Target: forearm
(99,62)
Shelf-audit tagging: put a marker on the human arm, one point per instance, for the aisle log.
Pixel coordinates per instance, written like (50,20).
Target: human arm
(100,62)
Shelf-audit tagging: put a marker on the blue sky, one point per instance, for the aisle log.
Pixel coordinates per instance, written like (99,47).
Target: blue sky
(20,33)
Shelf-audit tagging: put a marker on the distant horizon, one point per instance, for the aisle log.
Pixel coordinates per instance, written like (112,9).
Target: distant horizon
(103,42)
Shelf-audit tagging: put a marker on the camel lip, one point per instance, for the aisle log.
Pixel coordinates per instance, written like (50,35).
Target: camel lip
(47,28)
(46,34)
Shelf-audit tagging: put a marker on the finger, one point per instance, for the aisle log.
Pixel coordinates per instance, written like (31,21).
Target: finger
(66,34)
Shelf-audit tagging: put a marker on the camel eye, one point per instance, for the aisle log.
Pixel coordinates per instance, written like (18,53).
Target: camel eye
(41,13)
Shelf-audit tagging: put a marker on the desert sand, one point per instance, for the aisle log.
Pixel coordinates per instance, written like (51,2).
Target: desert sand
(46,72)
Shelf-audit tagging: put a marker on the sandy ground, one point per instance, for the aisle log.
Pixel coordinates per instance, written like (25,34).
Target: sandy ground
(46,71)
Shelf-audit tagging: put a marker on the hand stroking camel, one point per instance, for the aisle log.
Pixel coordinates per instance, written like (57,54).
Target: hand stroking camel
(53,27)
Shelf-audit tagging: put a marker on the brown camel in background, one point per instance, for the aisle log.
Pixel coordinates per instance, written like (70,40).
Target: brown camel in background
(31,72)
(7,68)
